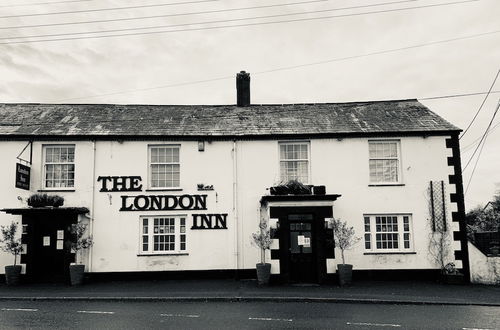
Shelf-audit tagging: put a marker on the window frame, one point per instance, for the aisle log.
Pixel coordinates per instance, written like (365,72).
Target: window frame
(401,233)
(44,166)
(150,234)
(398,158)
(308,167)
(150,169)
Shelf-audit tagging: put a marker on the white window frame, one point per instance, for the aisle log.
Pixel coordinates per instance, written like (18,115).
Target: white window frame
(397,158)
(308,167)
(44,165)
(150,167)
(371,233)
(178,233)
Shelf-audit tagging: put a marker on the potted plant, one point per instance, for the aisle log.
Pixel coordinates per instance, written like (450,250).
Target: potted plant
(292,187)
(344,239)
(451,275)
(78,243)
(43,200)
(10,244)
(262,240)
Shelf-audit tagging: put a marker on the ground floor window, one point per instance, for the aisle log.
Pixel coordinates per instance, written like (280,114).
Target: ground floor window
(388,232)
(163,234)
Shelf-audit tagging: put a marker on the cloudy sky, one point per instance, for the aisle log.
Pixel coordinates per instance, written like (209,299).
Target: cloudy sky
(188,51)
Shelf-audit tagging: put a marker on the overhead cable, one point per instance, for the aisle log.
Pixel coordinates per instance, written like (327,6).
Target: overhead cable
(108,9)
(200,13)
(212,27)
(482,146)
(481,106)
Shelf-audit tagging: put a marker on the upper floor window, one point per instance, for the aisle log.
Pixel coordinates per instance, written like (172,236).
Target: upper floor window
(294,161)
(384,162)
(59,166)
(164,166)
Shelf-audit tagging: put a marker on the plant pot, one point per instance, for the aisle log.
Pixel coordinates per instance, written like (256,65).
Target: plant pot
(452,278)
(263,273)
(76,273)
(344,272)
(12,274)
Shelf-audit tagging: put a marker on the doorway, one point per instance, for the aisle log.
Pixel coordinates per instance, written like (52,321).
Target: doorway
(48,241)
(302,251)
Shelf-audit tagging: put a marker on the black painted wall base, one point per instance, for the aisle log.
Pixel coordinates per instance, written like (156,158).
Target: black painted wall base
(242,274)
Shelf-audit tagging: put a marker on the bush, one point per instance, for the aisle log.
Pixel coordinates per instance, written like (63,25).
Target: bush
(292,187)
(9,243)
(42,200)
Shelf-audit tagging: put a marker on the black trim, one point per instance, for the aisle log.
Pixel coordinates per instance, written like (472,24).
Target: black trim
(56,190)
(384,253)
(172,189)
(386,185)
(112,137)
(47,210)
(396,274)
(162,254)
(298,198)
(458,198)
(173,275)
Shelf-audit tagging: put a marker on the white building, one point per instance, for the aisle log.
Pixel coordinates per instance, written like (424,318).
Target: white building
(182,188)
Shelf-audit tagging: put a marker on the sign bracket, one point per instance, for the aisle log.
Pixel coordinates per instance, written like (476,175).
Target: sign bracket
(30,144)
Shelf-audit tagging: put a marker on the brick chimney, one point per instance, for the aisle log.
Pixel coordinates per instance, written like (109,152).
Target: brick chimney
(243,89)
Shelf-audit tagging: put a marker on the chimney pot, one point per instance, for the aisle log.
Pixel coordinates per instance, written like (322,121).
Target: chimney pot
(243,89)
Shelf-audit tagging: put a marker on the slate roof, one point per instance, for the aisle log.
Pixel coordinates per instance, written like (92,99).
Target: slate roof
(102,120)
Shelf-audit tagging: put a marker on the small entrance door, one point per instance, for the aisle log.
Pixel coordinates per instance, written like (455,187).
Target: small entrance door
(302,248)
(48,248)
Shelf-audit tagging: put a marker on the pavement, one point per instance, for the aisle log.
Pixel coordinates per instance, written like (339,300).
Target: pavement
(368,292)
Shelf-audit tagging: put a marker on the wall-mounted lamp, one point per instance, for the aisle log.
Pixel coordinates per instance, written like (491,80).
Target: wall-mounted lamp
(201,145)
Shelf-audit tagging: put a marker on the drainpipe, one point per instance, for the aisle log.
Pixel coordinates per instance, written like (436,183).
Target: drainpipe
(235,207)
(91,227)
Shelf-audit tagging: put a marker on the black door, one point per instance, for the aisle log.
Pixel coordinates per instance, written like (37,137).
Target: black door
(302,249)
(48,248)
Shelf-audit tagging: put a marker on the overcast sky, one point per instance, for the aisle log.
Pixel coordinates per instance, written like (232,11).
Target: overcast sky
(375,51)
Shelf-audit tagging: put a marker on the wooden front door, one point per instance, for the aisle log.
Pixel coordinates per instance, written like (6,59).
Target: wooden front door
(302,248)
(48,248)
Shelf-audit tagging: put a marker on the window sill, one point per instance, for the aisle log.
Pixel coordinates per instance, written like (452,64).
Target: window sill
(164,189)
(56,190)
(162,254)
(384,253)
(385,184)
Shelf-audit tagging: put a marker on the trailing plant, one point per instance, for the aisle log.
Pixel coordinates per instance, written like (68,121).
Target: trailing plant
(9,243)
(41,200)
(292,187)
(262,240)
(79,242)
(449,269)
(344,236)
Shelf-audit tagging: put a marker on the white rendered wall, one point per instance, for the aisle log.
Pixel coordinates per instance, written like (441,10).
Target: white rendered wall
(483,269)
(340,165)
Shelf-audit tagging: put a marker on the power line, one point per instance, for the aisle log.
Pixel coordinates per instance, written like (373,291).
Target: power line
(483,138)
(338,59)
(197,13)
(457,95)
(482,103)
(43,3)
(226,26)
(187,24)
(467,147)
(482,146)
(107,9)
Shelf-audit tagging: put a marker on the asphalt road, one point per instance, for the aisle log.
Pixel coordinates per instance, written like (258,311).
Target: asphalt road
(241,315)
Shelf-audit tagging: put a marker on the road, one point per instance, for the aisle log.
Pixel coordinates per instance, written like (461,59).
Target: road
(241,315)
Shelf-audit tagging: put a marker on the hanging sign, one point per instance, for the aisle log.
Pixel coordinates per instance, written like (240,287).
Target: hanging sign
(22,176)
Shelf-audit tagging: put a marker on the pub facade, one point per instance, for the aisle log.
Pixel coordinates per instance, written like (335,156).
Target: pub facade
(169,189)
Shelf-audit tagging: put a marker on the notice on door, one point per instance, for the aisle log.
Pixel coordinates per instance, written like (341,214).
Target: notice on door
(300,240)
(60,234)
(46,240)
(59,244)
(307,242)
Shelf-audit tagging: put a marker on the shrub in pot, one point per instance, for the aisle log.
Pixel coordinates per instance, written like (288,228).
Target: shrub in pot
(262,239)
(292,187)
(451,275)
(79,242)
(10,244)
(345,239)
(42,200)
